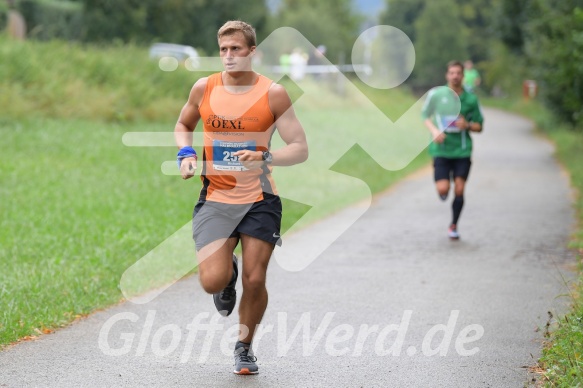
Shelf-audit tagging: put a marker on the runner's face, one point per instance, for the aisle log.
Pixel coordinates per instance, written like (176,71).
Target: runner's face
(454,76)
(235,53)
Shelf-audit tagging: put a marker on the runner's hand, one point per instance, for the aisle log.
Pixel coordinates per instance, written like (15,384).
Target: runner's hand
(439,137)
(250,159)
(188,168)
(462,123)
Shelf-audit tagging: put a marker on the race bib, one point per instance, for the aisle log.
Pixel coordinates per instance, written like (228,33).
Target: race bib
(223,154)
(448,124)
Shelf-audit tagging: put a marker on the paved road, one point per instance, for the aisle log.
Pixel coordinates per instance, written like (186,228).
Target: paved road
(365,312)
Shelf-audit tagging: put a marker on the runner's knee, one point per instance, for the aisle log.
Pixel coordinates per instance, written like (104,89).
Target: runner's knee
(213,281)
(442,187)
(459,187)
(254,282)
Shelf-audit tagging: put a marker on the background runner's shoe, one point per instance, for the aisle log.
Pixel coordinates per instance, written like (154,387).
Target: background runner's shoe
(245,362)
(452,232)
(226,299)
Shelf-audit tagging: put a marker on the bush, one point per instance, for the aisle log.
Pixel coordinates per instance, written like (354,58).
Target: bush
(3,15)
(555,48)
(47,19)
(503,74)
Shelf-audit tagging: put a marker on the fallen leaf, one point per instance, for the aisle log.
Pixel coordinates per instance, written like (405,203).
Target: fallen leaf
(29,338)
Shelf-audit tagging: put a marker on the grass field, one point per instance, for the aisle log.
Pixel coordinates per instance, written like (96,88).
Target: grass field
(79,207)
(66,80)
(562,360)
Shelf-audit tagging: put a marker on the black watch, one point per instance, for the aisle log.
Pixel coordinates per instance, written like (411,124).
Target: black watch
(267,157)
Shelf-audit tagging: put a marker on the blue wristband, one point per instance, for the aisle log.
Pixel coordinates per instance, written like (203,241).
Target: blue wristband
(185,152)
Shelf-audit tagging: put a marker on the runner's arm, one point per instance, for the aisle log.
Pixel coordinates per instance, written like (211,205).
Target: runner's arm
(432,128)
(189,117)
(476,119)
(475,127)
(289,127)
(426,114)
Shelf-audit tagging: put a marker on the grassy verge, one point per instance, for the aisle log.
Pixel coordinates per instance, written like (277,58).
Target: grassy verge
(66,80)
(78,207)
(562,360)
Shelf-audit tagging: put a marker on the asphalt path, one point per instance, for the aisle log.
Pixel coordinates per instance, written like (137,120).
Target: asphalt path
(392,303)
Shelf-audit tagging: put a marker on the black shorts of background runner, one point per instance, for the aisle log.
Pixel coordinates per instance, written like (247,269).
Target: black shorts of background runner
(446,168)
(213,220)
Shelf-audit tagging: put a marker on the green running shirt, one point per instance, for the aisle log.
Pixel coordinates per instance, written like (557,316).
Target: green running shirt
(443,108)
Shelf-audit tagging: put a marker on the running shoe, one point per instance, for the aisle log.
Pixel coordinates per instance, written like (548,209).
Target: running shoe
(245,362)
(226,299)
(452,232)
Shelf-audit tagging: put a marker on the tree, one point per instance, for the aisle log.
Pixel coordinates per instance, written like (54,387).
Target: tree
(191,22)
(554,45)
(440,37)
(209,15)
(509,22)
(328,22)
(106,20)
(477,28)
(402,14)
(478,18)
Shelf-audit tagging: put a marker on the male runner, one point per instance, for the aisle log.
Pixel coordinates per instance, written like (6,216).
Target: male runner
(450,126)
(240,110)
(471,77)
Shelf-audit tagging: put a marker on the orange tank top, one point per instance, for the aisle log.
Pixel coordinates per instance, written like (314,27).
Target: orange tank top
(233,122)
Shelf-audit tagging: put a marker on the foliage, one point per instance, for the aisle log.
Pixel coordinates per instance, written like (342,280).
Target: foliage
(477,16)
(402,14)
(3,16)
(327,22)
(505,71)
(555,48)
(441,37)
(190,22)
(549,33)
(107,20)
(431,25)
(562,361)
(50,19)
(510,17)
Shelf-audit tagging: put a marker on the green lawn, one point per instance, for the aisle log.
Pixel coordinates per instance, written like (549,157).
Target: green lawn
(78,207)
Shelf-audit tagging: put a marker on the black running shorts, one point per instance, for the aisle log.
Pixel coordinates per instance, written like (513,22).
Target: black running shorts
(446,168)
(214,220)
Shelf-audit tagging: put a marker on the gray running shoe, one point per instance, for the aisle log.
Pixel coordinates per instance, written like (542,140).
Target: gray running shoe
(245,362)
(226,299)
